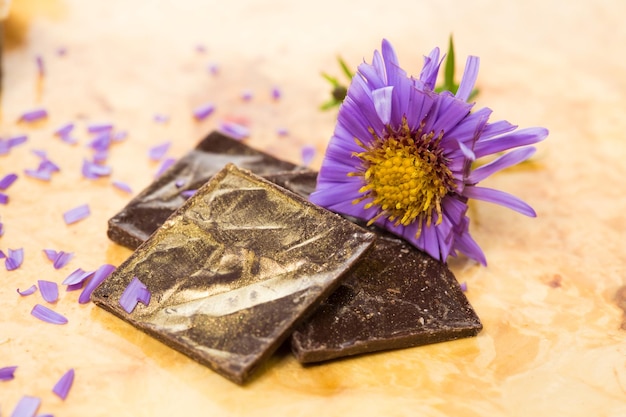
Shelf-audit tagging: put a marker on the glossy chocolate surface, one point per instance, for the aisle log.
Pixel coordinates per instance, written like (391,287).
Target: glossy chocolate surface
(396,297)
(149,209)
(233,271)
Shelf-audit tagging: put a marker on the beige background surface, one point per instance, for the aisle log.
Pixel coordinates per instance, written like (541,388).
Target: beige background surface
(552,343)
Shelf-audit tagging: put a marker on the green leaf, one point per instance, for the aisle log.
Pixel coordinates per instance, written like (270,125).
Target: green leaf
(345,68)
(448,82)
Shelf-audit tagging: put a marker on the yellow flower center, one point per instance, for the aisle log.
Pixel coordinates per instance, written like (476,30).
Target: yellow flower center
(405,175)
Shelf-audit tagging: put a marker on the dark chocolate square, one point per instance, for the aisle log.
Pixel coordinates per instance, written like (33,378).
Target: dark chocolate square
(149,209)
(396,297)
(234,269)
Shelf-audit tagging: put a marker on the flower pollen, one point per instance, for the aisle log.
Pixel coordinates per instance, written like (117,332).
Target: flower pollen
(405,175)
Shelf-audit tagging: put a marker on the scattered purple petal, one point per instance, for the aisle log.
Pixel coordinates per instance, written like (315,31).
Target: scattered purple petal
(99,276)
(165,166)
(213,68)
(64,130)
(76,277)
(1,233)
(43,313)
(41,69)
(2,255)
(234,130)
(45,415)
(156,153)
(40,175)
(76,214)
(122,186)
(282,131)
(62,387)
(276,93)
(161,118)
(14,259)
(4,198)
(101,142)
(188,193)
(33,115)
(308,153)
(203,111)
(180,183)
(99,127)
(62,259)
(51,254)
(26,407)
(28,291)
(200,48)
(49,290)
(100,157)
(463,286)
(92,170)
(135,292)
(48,166)
(246,95)
(7,181)
(61,51)
(6,373)
(6,145)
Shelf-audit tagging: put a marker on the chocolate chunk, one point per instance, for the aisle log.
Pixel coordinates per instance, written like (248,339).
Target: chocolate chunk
(235,269)
(147,211)
(396,297)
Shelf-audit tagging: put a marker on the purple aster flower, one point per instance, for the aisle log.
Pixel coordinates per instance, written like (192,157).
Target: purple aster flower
(402,155)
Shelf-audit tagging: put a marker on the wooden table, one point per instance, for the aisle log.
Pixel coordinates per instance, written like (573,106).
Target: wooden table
(552,342)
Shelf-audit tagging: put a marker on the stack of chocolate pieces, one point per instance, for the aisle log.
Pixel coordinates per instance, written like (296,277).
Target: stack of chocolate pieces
(247,262)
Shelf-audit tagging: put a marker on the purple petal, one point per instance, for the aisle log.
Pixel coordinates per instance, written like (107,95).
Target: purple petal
(276,93)
(509,159)
(99,127)
(120,136)
(49,316)
(122,186)
(234,130)
(463,286)
(76,277)
(16,140)
(282,131)
(62,259)
(49,290)
(64,130)
(179,183)
(26,407)
(469,78)
(165,165)
(4,198)
(100,157)
(511,140)
(51,254)
(33,115)
(14,259)
(30,290)
(499,197)
(246,95)
(156,153)
(135,291)
(63,385)
(203,111)
(1,232)
(76,214)
(7,181)
(308,153)
(92,170)
(213,68)
(98,277)
(188,193)
(382,103)
(6,373)
(102,142)
(161,118)
(41,70)
(40,175)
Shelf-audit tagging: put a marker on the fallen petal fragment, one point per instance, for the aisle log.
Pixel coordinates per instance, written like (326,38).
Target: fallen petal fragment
(49,316)
(76,214)
(98,278)
(62,387)
(27,407)
(49,290)
(6,373)
(135,291)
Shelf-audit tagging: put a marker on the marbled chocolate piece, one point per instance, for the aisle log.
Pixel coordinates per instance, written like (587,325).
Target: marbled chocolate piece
(234,269)
(396,297)
(148,210)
